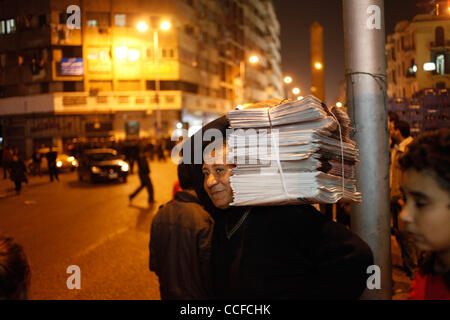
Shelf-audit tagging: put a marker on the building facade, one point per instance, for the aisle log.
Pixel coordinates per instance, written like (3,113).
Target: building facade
(120,76)
(418,55)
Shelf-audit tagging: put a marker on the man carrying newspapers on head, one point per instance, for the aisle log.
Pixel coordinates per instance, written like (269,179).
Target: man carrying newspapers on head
(257,171)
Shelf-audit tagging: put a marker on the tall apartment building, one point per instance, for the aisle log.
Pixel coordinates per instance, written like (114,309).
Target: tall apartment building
(101,80)
(418,55)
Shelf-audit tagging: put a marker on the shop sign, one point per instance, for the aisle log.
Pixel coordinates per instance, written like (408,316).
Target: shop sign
(72,67)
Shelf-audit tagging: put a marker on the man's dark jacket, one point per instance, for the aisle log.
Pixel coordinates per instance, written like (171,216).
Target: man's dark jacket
(180,249)
(287,252)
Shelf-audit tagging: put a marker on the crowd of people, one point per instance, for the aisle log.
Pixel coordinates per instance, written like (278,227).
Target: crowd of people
(14,163)
(157,149)
(201,247)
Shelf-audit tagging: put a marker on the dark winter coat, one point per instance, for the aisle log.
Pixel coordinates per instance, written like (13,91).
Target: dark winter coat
(144,168)
(17,171)
(289,252)
(51,158)
(180,248)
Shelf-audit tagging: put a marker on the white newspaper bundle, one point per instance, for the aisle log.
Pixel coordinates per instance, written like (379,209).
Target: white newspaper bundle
(291,152)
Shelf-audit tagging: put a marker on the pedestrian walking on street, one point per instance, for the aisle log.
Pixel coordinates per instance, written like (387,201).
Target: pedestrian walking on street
(144,177)
(426,193)
(180,244)
(37,161)
(14,270)
(17,173)
(400,133)
(52,168)
(6,161)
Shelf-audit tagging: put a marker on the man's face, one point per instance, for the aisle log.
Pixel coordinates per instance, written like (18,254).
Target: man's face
(427,211)
(216,181)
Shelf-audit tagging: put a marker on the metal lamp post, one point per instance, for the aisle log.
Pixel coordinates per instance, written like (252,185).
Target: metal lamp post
(242,70)
(165,25)
(157,84)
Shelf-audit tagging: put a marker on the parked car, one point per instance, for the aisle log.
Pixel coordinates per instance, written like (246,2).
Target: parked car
(102,165)
(64,162)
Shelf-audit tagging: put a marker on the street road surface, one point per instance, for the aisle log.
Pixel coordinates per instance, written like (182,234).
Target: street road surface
(92,226)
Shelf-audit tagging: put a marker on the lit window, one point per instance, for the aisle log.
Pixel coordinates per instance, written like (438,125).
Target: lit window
(10,26)
(120,20)
(167,53)
(440,64)
(93,56)
(104,55)
(92,23)
(2,27)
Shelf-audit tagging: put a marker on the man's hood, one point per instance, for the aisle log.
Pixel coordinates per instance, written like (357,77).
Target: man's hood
(221,124)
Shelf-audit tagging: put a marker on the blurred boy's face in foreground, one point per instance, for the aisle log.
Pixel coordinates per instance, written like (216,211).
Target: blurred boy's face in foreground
(216,174)
(427,210)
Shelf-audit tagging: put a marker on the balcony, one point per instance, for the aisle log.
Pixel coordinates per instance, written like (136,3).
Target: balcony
(444,45)
(109,102)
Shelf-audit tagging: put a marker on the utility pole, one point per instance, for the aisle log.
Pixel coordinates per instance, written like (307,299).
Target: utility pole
(157,84)
(365,63)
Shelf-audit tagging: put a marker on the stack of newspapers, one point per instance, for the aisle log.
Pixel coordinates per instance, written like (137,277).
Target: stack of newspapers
(291,152)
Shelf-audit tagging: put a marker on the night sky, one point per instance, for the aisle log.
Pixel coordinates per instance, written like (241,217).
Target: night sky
(296,16)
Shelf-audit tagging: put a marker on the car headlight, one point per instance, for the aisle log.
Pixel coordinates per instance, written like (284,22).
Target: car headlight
(59,164)
(124,167)
(70,159)
(96,170)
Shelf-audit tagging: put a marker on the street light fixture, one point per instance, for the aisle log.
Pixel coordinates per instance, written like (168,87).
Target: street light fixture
(339,104)
(287,80)
(318,66)
(253,59)
(296,91)
(142,26)
(242,70)
(165,25)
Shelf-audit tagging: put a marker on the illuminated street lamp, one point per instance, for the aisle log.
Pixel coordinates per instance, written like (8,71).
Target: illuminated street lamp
(296,91)
(142,27)
(318,66)
(287,80)
(254,59)
(339,104)
(165,25)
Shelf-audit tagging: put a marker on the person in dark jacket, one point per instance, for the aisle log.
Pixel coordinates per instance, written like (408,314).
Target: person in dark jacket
(180,245)
(37,161)
(51,162)
(17,172)
(15,273)
(144,177)
(6,161)
(284,252)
